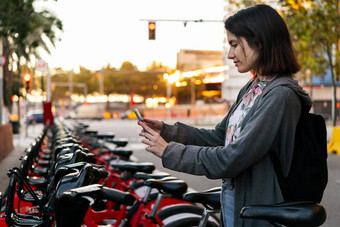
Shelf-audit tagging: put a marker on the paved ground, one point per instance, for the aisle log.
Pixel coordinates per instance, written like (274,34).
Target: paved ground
(20,142)
(331,199)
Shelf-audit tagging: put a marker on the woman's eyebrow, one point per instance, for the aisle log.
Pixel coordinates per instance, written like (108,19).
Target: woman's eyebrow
(231,41)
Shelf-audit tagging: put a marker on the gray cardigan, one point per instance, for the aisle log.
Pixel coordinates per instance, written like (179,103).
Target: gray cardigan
(269,125)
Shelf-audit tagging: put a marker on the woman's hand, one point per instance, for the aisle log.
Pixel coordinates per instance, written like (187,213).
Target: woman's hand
(155,125)
(156,144)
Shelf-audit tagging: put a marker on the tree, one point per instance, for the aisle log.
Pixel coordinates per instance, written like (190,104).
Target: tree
(127,80)
(128,66)
(58,92)
(109,79)
(87,77)
(22,31)
(316,34)
(158,67)
(315,30)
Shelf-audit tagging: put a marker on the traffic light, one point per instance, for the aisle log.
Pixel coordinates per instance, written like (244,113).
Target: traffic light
(27,79)
(152,30)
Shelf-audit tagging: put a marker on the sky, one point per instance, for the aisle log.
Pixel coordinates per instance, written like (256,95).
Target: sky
(101,32)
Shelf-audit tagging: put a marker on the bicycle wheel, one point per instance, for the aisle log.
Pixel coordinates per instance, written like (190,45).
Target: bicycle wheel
(190,222)
(175,212)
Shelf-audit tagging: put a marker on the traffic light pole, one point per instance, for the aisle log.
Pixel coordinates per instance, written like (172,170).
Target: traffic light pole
(152,24)
(48,86)
(26,110)
(185,22)
(27,79)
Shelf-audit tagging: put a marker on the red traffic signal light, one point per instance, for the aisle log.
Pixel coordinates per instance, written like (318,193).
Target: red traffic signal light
(27,77)
(152,30)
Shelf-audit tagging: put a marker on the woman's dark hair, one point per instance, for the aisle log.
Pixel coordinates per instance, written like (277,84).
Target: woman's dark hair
(264,29)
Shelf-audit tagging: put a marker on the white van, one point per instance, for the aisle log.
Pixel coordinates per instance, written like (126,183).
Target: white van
(89,111)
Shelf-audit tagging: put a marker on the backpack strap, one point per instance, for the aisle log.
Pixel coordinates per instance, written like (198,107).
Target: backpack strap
(276,162)
(276,165)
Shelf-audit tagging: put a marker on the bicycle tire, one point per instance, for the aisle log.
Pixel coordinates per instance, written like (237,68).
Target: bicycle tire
(180,211)
(190,222)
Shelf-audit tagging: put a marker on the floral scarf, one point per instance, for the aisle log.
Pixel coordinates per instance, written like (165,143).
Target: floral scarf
(235,121)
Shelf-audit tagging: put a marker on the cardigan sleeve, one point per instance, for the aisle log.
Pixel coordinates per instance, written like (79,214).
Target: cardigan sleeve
(188,135)
(276,116)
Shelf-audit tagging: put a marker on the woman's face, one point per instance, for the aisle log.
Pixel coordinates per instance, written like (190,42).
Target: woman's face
(241,53)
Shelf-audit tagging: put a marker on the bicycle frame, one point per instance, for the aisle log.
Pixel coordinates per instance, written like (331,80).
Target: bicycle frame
(143,212)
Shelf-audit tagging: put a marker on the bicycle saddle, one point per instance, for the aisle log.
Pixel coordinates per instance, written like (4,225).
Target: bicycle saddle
(91,132)
(209,198)
(69,150)
(124,153)
(288,213)
(64,170)
(174,187)
(105,136)
(82,125)
(146,167)
(66,139)
(60,147)
(78,156)
(121,142)
(146,176)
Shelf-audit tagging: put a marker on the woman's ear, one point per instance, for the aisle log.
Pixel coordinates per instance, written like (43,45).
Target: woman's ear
(259,45)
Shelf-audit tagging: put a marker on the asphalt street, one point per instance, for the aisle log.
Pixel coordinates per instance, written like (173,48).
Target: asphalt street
(129,129)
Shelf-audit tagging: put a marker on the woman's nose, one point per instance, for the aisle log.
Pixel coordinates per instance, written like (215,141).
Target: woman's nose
(231,54)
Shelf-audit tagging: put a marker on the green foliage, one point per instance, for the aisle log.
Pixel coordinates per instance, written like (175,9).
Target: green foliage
(239,4)
(22,31)
(88,77)
(314,26)
(316,34)
(127,66)
(126,80)
(315,30)
(158,67)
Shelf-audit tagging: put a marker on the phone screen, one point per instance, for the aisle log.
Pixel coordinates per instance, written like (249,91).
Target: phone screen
(139,116)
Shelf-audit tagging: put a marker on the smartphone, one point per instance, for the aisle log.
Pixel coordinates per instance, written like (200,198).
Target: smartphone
(139,116)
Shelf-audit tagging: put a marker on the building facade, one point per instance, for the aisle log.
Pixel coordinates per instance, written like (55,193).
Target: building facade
(189,60)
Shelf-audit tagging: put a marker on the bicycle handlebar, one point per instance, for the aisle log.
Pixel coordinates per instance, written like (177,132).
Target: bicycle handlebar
(117,196)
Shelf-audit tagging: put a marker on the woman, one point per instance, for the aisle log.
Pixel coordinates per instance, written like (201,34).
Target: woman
(262,119)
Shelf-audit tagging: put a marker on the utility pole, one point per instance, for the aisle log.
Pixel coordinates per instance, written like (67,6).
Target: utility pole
(101,83)
(48,86)
(1,81)
(100,79)
(70,87)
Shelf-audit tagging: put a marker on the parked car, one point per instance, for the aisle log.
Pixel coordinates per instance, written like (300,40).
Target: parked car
(35,117)
(129,114)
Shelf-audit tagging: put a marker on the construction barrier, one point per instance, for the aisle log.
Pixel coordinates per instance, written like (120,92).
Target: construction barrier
(334,143)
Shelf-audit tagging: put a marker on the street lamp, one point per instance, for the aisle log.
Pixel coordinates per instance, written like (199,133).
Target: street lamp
(168,93)
(172,78)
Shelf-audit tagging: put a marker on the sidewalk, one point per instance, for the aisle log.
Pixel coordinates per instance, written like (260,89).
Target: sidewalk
(20,143)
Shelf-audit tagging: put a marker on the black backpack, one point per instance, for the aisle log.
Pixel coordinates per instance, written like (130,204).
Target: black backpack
(308,174)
